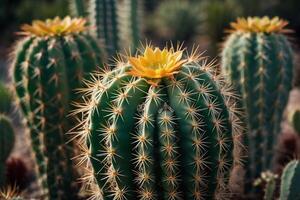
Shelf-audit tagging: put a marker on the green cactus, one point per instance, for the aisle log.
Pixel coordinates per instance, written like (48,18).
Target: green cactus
(258,60)
(49,64)
(77,8)
(269,180)
(290,181)
(7,140)
(5,99)
(160,126)
(116,23)
(294,120)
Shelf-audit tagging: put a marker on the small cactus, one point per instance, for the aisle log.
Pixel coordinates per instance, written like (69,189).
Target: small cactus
(294,120)
(7,140)
(269,180)
(258,60)
(290,181)
(161,126)
(49,64)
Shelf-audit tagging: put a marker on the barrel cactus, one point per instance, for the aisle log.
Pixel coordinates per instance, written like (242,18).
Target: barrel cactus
(159,125)
(290,180)
(258,60)
(49,64)
(7,140)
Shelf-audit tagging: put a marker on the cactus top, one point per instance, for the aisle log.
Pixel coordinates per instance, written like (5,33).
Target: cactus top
(259,25)
(156,63)
(54,27)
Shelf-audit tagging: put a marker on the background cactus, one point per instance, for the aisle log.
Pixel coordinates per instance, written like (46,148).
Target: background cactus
(116,23)
(49,64)
(160,126)
(77,8)
(7,140)
(258,60)
(5,99)
(294,120)
(290,180)
(7,137)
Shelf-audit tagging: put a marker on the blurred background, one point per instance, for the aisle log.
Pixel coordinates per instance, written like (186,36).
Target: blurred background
(193,21)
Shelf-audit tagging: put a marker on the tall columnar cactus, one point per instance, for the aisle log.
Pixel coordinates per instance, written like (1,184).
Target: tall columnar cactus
(159,126)
(258,60)
(294,120)
(7,140)
(290,181)
(116,23)
(50,63)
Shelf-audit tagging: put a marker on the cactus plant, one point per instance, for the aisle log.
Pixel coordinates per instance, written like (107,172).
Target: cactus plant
(258,60)
(77,8)
(5,99)
(294,120)
(290,180)
(7,139)
(116,22)
(49,64)
(269,180)
(159,125)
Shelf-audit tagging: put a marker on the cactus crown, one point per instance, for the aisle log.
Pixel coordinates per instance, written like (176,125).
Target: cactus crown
(156,63)
(54,27)
(259,25)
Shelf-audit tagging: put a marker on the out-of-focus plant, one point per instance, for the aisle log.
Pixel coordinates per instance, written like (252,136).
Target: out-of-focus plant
(178,20)
(217,16)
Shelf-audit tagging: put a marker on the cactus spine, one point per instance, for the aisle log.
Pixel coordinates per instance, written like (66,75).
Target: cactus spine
(160,126)
(290,180)
(258,60)
(49,64)
(116,23)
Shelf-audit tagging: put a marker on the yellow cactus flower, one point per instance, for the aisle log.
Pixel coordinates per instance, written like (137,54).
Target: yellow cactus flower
(54,27)
(156,63)
(259,25)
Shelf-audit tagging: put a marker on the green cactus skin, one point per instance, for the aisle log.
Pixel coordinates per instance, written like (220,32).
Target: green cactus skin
(77,8)
(290,181)
(260,66)
(7,140)
(294,120)
(47,70)
(173,139)
(5,99)
(116,23)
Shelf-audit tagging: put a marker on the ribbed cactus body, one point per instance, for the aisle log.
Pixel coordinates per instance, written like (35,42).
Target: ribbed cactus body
(174,138)
(260,66)
(7,139)
(47,70)
(116,23)
(290,180)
